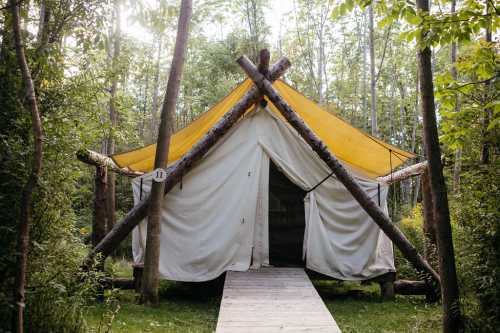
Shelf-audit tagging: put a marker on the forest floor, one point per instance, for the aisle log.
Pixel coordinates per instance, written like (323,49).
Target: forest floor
(191,307)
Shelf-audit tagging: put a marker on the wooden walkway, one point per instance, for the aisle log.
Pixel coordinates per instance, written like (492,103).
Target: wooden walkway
(272,300)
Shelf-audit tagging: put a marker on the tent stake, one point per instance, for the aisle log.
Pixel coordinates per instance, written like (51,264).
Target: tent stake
(378,216)
(181,167)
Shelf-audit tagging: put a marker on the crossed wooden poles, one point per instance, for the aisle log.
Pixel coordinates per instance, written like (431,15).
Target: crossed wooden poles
(263,78)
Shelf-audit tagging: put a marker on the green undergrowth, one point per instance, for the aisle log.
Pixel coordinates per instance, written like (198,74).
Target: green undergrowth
(360,309)
(184,307)
(194,307)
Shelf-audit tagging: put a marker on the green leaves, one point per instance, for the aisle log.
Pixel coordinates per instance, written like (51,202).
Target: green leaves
(344,8)
(441,27)
(411,16)
(464,102)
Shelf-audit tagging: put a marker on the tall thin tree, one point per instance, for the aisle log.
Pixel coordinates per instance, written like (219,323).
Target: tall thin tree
(373,80)
(150,279)
(113,115)
(156,83)
(454,73)
(486,144)
(447,270)
(30,186)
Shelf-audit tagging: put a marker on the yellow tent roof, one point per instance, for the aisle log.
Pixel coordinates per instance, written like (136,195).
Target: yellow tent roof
(360,150)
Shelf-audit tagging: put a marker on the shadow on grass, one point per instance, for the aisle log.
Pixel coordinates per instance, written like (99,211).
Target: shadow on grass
(192,291)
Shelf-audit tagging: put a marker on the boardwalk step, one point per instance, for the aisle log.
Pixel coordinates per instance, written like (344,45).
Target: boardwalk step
(271,300)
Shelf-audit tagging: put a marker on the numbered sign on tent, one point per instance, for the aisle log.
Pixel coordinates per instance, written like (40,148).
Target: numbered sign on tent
(159,175)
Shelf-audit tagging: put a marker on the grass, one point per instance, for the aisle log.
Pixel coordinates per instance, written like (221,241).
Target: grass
(359,309)
(184,307)
(193,307)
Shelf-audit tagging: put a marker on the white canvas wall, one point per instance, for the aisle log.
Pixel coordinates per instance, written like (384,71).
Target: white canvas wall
(219,219)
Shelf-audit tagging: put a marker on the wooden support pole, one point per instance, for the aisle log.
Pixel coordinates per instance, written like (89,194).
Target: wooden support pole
(387,290)
(181,167)
(151,276)
(99,214)
(265,57)
(406,287)
(118,283)
(99,160)
(137,274)
(410,171)
(386,283)
(378,216)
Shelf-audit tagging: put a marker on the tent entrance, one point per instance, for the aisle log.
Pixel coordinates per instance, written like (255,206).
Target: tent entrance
(286,220)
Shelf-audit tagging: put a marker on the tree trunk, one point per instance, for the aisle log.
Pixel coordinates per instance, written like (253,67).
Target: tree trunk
(429,226)
(181,167)
(252,16)
(154,108)
(373,82)
(100,212)
(413,144)
(43,26)
(142,128)
(150,279)
(457,167)
(416,191)
(449,283)
(415,117)
(113,117)
(32,182)
(364,86)
(485,147)
(375,212)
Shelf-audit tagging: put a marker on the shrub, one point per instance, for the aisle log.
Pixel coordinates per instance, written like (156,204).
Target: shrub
(411,226)
(477,243)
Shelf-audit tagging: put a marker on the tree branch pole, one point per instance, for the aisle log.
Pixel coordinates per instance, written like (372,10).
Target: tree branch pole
(25,216)
(410,171)
(407,287)
(151,275)
(378,216)
(99,160)
(185,164)
(264,58)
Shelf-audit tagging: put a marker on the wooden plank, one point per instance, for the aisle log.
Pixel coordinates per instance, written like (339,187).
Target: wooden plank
(272,300)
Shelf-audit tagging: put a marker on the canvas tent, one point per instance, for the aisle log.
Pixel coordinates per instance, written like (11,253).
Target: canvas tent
(218,220)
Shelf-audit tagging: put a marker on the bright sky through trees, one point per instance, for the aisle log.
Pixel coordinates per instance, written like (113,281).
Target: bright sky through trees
(275,12)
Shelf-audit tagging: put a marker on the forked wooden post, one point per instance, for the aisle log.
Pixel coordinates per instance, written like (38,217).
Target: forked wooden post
(410,171)
(181,167)
(378,216)
(99,160)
